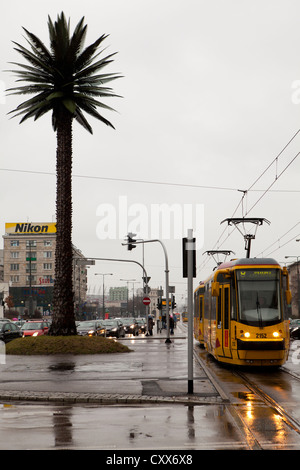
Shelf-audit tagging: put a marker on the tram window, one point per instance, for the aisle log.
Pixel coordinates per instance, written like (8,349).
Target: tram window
(206,305)
(226,305)
(258,302)
(219,313)
(233,315)
(201,307)
(196,305)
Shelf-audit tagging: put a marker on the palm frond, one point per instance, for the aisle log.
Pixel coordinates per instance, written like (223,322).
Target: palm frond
(65,76)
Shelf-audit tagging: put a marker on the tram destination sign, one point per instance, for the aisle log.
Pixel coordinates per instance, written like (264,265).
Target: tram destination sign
(257,274)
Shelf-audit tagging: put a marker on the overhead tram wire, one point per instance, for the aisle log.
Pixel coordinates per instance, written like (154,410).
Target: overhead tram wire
(278,241)
(125,180)
(275,180)
(162,183)
(275,160)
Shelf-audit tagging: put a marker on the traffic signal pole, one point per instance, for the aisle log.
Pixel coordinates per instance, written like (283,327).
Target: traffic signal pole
(124,261)
(135,242)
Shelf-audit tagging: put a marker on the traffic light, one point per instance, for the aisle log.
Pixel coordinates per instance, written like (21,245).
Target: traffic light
(174,305)
(159,303)
(131,241)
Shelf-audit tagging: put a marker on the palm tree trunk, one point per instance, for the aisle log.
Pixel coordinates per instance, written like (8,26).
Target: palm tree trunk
(63,299)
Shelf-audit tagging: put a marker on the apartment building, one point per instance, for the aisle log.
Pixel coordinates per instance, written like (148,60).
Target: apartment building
(29,264)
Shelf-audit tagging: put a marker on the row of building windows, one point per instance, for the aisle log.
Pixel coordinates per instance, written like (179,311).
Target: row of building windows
(16,266)
(30,254)
(30,243)
(46,279)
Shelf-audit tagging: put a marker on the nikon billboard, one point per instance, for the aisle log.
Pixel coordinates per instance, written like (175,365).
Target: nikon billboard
(29,228)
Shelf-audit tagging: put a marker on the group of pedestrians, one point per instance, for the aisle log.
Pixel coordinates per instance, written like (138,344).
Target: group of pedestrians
(151,324)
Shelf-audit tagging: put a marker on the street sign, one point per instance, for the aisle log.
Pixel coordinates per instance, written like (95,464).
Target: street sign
(146,301)
(84,262)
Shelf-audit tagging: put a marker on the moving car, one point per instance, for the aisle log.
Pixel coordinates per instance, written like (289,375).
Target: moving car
(141,324)
(9,331)
(91,328)
(114,328)
(131,326)
(35,328)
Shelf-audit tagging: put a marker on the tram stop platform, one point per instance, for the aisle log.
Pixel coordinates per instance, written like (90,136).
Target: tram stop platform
(154,371)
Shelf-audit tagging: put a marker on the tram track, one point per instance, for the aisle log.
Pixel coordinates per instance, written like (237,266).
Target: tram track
(268,400)
(225,380)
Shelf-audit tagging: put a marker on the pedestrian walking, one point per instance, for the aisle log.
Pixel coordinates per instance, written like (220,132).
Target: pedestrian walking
(150,325)
(171,320)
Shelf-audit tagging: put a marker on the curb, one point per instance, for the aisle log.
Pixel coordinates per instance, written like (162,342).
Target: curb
(97,398)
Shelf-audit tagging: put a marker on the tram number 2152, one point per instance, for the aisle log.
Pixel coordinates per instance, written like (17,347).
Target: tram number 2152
(261,335)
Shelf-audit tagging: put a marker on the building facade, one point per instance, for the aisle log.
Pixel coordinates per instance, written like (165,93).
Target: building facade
(118,294)
(294,272)
(29,265)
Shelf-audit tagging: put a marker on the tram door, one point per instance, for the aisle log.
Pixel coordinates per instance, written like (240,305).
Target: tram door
(225,309)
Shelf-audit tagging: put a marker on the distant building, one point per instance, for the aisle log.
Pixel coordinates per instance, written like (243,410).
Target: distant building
(118,294)
(29,265)
(294,272)
(1,265)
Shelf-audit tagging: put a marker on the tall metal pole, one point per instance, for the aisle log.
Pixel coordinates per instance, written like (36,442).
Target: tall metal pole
(103,301)
(167,282)
(190,310)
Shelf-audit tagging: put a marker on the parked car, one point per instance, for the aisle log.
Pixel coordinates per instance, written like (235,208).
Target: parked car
(142,324)
(9,331)
(114,328)
(131,326)
(91,328)
(19,323)
(295,328)
(35,328)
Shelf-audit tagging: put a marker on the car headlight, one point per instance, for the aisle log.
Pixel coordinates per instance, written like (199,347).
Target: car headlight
(113,329)
(91,332)
(35,334)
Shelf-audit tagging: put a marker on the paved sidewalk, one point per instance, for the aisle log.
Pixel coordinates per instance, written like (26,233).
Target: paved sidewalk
(154,372)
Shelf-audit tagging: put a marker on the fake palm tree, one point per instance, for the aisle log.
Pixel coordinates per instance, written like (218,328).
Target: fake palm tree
(67,81)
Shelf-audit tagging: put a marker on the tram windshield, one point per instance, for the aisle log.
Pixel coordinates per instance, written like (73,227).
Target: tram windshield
(259,296)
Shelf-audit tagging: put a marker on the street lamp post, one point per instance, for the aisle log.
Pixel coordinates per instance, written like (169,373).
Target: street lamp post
(127,281)
(103,303)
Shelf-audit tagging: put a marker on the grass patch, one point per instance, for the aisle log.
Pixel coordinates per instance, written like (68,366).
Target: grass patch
(64,345)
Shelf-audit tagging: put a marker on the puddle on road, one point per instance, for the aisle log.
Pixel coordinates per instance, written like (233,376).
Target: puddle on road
(62,366)
(247,396)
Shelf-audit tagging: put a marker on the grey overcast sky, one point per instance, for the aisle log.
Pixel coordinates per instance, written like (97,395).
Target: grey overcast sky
(211,95)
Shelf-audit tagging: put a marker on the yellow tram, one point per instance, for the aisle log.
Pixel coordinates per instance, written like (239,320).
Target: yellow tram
(240,312)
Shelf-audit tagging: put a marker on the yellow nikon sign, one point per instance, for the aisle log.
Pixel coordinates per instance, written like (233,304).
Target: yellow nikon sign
(29,228)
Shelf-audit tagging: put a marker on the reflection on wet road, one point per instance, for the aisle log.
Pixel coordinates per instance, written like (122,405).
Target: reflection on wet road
(244,420)
(118,427)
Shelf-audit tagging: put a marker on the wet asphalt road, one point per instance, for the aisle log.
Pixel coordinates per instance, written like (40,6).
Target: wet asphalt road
(129,402)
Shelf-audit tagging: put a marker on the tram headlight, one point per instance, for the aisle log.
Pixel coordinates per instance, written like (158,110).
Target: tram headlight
(276,334)
(244,334)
